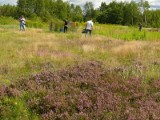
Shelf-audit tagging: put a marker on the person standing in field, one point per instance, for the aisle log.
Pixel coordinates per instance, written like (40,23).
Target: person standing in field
(89,27)
(65,26)
(140,26)
(22,23)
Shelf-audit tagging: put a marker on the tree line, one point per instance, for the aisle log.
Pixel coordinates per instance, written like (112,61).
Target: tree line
(124,13)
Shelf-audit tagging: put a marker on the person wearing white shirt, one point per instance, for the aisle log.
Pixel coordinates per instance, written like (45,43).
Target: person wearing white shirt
(22,23)
(89,27)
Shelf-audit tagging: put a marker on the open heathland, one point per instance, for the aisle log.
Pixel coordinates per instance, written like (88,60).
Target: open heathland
(112,75)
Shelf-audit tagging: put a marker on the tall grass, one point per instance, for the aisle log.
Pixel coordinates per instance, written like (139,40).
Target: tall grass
(27,52)
(124,51)
(126,32)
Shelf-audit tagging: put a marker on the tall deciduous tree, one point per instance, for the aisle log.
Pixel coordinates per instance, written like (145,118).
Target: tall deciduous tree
(115,13)
(144,6)
(131,14)
(125,13)
(88,10)
(77,14)
(102,13)
(8,10)
(22,6)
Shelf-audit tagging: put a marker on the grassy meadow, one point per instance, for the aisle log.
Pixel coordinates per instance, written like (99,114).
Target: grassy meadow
(116,63)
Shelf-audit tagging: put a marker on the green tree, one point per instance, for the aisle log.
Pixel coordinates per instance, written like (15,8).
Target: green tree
(26,7)
(77,14)
(131,14)
(22,7)
(8,10)
(88,10)
(145,7)
(153,18)
(115,13)
(60,9)
(102,13)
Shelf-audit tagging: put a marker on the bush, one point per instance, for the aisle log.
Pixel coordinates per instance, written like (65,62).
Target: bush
(55,25)
(7,20)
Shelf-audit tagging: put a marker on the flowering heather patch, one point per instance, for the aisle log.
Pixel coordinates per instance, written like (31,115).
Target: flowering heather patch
(88,91)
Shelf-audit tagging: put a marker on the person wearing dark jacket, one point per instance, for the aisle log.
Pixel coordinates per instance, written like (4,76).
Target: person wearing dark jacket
(65,26)
(140,26)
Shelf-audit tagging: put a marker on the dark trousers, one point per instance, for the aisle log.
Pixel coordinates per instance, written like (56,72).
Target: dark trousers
(65,29)
(140,28)
(88,32)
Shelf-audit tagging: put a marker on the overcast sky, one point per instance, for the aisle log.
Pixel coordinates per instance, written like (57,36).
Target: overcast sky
(97,3)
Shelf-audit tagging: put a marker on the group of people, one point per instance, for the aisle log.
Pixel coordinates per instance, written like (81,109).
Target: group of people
(88,28)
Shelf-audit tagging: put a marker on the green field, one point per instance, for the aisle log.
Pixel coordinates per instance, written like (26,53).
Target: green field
(126,56)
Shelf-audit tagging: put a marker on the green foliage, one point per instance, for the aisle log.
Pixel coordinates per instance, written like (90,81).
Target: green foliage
(7,20)
(119,13)
(126,32)
(128,14)
(15,109)
(56,24)
(8,10)
(76,13)
(34,24)
(131,14)
(123,13)
(153,18)
(48,9)
(88,10)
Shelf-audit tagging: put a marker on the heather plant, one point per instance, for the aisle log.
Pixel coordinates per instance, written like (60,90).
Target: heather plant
(89,90)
